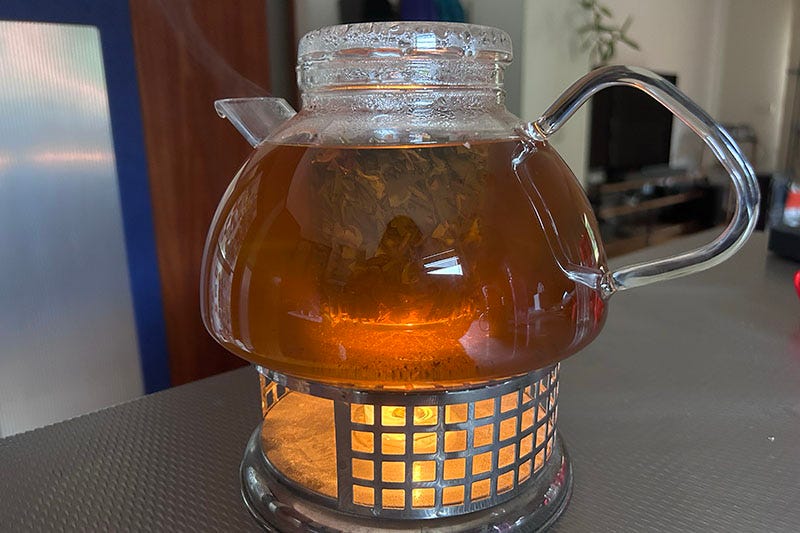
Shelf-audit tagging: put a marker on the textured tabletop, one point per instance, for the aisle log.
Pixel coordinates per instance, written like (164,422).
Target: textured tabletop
(165,462)
(683,416)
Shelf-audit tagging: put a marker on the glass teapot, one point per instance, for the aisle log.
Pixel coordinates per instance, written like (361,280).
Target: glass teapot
(404,230)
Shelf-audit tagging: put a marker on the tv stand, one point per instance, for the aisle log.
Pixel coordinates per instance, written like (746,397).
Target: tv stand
(643,211)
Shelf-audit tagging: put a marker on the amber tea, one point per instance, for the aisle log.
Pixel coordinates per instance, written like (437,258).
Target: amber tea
(424,264)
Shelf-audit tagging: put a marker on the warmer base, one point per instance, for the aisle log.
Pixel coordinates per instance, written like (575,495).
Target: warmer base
(277,507)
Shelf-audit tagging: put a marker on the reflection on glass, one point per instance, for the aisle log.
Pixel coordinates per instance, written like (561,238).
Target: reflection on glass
(442,265)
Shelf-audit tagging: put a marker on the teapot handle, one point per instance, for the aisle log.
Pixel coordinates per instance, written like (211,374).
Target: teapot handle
(721,144)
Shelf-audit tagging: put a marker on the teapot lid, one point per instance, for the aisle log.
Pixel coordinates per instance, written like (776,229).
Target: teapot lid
(406,39)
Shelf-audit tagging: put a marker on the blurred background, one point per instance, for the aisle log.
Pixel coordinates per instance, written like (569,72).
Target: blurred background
(112,159)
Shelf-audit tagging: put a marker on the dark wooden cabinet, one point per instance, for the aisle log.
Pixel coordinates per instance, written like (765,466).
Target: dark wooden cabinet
(189,53)
(645,211)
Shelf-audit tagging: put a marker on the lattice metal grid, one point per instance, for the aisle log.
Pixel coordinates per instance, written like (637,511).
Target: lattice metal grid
(422,455)
(271,392)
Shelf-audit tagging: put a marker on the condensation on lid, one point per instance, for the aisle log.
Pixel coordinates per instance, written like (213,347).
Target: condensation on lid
(404,39)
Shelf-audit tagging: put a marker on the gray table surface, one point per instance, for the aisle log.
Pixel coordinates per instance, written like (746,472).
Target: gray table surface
(684,415)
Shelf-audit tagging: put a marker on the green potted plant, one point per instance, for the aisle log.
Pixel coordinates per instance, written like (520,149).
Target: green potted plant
(601,36)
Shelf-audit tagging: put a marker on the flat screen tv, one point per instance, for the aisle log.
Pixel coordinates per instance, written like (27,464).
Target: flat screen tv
(628,131)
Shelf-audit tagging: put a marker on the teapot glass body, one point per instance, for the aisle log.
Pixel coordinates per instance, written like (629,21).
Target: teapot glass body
(377,266)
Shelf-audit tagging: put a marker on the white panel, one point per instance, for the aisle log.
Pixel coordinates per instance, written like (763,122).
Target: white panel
(756,60)
(67,334)
(551,61)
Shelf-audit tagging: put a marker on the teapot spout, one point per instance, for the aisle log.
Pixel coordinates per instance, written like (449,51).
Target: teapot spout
(255,118)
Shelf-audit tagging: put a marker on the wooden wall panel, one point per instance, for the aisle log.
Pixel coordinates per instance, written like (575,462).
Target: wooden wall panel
(189,53)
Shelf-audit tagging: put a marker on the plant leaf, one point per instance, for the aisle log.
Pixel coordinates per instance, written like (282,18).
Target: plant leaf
(633,44)
(601,36)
